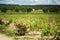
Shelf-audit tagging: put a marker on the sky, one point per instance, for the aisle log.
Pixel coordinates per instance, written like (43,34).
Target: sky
(31,2)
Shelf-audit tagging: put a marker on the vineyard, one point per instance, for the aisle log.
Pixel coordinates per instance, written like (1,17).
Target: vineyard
(45,24)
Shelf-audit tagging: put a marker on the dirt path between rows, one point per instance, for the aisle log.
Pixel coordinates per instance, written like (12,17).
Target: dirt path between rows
(26,37)
(4,37)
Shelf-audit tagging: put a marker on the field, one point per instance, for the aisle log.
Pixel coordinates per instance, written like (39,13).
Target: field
(46,24)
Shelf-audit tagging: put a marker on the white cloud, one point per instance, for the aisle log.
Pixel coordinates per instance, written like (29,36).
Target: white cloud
(25,2)
(10,1)
(7,2)
(58,2)
(49,1)
(54,2)
(36,0)
(33,2)
(41,1)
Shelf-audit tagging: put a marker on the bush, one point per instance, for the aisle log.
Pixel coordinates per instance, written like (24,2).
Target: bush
(29,10)
(16,10)
(3,28)
(10,33)
(4,10)
(21,30)
(48,31)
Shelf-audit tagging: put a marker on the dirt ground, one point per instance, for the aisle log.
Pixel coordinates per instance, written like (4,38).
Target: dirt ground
(26,37)
(4,37)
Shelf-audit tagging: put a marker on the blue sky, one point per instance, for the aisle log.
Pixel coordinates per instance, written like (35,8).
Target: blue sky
(31,2)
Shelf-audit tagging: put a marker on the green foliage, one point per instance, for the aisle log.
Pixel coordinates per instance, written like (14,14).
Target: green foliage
(32,27)
(26,8)
(10,21)
(47,23)
(4,10)
(29,9)
(10,33)
(16,10)
(3,28)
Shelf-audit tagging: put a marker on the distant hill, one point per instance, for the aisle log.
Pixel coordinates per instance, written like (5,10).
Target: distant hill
(8,5)
(30,5)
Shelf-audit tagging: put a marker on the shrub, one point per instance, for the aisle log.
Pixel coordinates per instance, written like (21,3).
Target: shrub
(4,10)
(21,29)
(10,33)
(29,10)
(3,28)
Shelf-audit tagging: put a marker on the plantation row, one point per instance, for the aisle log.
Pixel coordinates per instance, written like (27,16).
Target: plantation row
(46,24)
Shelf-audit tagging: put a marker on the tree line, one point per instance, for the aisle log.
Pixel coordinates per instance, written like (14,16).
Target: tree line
(29,8)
